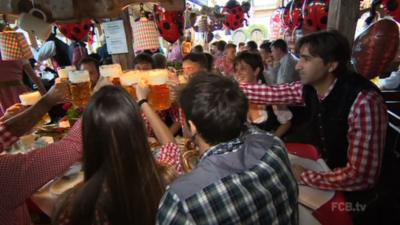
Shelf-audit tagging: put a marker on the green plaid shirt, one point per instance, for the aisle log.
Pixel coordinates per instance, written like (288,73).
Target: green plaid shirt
(244,181)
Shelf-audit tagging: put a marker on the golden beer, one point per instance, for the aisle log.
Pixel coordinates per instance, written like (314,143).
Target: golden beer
(112,73)
(128,80)
(31,98)
(80,87)
(159,96)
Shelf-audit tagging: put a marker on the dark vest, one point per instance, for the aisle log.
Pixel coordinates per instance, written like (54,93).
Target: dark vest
(61,57)
(328,123)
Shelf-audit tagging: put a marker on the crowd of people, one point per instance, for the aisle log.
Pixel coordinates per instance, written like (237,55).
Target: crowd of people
(236,109)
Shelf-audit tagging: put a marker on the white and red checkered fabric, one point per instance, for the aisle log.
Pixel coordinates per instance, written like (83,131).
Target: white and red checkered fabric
(145,36)
(13,46)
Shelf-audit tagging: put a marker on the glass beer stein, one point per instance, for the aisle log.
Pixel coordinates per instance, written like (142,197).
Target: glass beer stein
(112,73)
(129,79)
(31,98)
(63,73)
(159,96)
(80,87)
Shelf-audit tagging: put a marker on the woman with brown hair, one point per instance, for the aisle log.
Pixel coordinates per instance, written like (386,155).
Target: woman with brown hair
(121,182)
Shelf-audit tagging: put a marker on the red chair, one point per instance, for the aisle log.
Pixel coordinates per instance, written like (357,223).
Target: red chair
(328,214)
(303,150)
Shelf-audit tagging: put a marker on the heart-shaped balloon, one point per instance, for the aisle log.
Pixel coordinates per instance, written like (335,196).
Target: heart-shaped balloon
(315,15)
(169,23)
(375,48)
(76,31)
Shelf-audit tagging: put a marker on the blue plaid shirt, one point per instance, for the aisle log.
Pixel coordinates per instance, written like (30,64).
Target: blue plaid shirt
(245,181)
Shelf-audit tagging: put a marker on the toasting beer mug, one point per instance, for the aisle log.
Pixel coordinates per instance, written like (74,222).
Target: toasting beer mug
(112,73)
(31,98)
(129,79)
(159,96)
(63,73)
(80,87)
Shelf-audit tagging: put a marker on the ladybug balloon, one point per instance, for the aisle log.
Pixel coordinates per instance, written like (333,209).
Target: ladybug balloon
(76,31)
(170,23)
(234,13)
(315,15)
(375,48)
(292,15)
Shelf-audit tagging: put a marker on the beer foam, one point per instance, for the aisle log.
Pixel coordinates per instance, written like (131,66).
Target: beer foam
(78,76)
(113,70)
(129,78)
(30,98)
(157,77)
(63,73)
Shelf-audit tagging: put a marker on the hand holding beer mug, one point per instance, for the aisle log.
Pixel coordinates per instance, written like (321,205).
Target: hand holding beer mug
(129,80)
(80,87)
(31,98)
(112,73)
(159,96)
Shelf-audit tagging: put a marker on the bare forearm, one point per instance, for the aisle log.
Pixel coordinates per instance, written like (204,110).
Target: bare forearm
(175,127)
(20,124)
(32,75)
(283,129)
(162,132)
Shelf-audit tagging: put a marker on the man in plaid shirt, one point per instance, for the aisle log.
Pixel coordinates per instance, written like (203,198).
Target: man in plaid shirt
(347,120)
(243,176)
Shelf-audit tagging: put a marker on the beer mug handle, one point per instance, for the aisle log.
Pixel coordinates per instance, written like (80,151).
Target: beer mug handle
(40,12)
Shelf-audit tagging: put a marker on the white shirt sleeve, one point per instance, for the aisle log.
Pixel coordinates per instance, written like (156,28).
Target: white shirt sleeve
(282,113)
(392,82)
(47,51)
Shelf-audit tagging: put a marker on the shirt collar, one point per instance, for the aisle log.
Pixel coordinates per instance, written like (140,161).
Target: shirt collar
(321,98)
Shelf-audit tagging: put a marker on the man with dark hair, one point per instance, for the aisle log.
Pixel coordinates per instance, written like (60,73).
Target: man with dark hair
(220,49)
(252,46)
(198,49)
(193,63)
(282,69)
(92,66)
(347,115)
(143,61)
(225,64)
(243,176)
(160,61)
(266,55)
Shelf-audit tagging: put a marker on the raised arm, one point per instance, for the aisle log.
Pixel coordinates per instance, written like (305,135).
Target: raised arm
(286,94)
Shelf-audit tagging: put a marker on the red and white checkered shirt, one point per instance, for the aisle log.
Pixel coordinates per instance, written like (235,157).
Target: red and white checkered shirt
(6,138)
(23,174)
(171,155)
(366,136)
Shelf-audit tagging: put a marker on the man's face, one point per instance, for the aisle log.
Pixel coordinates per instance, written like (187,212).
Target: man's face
(277,53)
(190,68)
(93,72)
(266,56)
(242,48)
(312,69)
(230,53)
(143,66)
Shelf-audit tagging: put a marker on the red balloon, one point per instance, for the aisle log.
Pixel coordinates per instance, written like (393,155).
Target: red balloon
(392,7)
(169,23)
(315,15)
(76,31)
(375,48)
(234,18)
(292,15)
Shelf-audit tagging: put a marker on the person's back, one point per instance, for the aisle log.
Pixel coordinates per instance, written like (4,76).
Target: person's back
(244,174)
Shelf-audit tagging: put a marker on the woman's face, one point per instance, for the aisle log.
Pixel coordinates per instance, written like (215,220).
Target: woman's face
(245,73)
